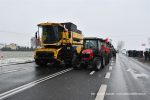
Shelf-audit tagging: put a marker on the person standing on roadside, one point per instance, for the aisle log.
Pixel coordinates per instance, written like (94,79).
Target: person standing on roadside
(146,55)
(1,55)
(149,55)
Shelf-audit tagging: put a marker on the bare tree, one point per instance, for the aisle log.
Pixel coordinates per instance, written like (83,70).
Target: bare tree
(33,42)
(120,45)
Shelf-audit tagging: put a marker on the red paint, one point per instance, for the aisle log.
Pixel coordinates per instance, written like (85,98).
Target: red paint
(90,52)
(107,50)
(106,40)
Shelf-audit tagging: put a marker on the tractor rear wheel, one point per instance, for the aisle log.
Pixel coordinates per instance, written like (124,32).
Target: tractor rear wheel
(103,62)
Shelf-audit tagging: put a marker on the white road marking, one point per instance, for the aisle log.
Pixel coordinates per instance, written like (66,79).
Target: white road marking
(142,75)
(111,64)
(136,76)
(92,72)
(110,68)
(101,93)
(9,71)
(132,72)
(93,94)
(107,75)
(31,84)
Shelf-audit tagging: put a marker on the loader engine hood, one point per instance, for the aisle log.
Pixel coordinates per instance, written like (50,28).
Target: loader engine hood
(87,54)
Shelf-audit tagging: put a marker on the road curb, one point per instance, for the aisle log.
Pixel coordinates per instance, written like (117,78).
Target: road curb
(18,63)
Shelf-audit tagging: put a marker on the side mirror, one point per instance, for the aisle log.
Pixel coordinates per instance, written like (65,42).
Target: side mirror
(65,29)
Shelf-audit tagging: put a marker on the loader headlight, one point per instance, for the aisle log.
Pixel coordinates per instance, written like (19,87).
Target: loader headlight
(58,44)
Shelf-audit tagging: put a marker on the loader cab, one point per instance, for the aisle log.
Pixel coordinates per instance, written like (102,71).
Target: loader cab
(50,33)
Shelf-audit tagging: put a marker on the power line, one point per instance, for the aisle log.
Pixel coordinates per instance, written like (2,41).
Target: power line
(3,31)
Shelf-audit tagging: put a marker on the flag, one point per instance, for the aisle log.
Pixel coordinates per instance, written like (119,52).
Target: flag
(106,40)
(143,44)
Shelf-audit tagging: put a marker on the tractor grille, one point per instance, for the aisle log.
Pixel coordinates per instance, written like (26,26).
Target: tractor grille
(44,54)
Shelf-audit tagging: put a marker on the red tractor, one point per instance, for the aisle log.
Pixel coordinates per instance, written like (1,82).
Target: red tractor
(94,53)
(107,51)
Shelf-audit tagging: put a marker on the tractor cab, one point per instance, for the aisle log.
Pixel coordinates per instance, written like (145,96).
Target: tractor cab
(91,45)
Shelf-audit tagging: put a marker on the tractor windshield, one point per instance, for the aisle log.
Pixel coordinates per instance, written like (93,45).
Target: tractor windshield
(51,34)
(90,44)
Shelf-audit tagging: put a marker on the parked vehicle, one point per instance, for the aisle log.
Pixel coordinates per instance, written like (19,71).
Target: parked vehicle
(59,43)
(93,54)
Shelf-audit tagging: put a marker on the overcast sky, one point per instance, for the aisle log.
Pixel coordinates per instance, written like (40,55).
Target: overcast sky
(126,20)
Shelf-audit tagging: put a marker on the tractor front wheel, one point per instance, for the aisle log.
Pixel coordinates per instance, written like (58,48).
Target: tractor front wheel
(97,64)
(75,61)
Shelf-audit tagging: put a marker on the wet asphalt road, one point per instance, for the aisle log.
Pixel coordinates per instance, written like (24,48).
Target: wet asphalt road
(123,79)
